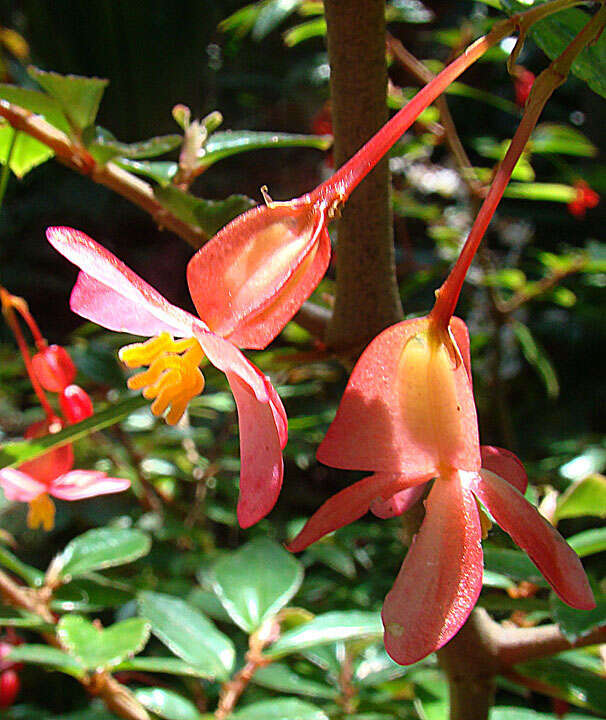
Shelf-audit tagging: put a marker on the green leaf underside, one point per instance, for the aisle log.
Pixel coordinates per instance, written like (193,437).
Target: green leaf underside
(326,628)
(97,649)
(255,582)
(578,623)
(14,453)
(102,548)
(38,103)
(104,146)
(27,152)
(162,171)
(188,634)
(78,97)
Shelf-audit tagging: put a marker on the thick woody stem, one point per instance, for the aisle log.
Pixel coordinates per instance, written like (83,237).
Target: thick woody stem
(121,182)
(367,298)
(118,698)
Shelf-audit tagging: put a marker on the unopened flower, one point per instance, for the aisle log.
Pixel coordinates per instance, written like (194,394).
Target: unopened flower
(585,199)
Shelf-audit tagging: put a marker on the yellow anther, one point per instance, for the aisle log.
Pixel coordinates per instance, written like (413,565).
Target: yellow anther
(41,513)
(173,377)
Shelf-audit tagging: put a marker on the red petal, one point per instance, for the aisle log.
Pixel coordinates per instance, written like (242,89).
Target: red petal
(75,403)
(398,415)
(440,579)
(54,368)
(251,278)
(398,503)
(346,507)
(461,336)
(81,484)
(504,463)
(111,294)
(52,463)
(20,486)
(261,465)
(548,550)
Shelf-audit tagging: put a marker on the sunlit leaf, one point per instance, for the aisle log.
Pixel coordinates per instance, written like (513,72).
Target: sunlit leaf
(586,497)
(50,657)
(26,153)
(280,709)
(281,678)
(167,704)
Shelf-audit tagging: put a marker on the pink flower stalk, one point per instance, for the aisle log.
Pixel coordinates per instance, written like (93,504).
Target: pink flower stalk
(250,279)
(110,294)
(51,474)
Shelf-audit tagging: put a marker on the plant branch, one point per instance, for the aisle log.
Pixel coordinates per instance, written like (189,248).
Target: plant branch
(77,158)
(118,698)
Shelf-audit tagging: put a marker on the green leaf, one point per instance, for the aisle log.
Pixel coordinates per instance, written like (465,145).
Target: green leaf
(223,144)
(326,628)
(552,192)
(167,665)
(431,689)
(305,31)
(333,557)
(281,678)
(102,648)
(280,710)
(188,634)
(26,154)
(514,564)
(103,146)
(79,97)
(167,704)
(561,139)
(553,34)
(536,357)
(578,685)
(37,102)
(255,582)
(586,497)
(520,713)
(209,215)
(89,594)
(49,656)
(588,542)
(99,549)
(162,171)
(15,453)
(271,15)
(32,577)
(410,11)
(577,623)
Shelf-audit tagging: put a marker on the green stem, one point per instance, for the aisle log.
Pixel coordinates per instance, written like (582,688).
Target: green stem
(6,170)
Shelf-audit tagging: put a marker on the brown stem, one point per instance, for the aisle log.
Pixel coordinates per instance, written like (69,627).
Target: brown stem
(522,644)
(118,698)
(367,298)
(110,175)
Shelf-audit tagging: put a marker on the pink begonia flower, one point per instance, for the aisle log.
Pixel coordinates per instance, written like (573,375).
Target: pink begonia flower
(112,295)
(51,474)
(408,415)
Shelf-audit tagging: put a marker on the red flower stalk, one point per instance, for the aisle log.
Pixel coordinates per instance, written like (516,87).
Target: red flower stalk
(585,199)
(408,416)
(110,294)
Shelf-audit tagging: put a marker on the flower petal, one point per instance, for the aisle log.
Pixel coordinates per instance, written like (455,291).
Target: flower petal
(548,550)
(398,503)
(20,486)
(80,484)
(346,507)
(440,579)
(504,463)
(261,464)
(111,294)
(406,409)
(251,278)
(461,336)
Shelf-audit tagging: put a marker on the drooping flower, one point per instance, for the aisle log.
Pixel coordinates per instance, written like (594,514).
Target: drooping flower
(110,294)
(51,474)
(585,199)
(408,416)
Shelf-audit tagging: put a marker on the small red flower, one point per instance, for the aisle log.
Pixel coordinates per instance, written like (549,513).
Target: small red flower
(75,403)
(54,368)
(586,198)
(522,84)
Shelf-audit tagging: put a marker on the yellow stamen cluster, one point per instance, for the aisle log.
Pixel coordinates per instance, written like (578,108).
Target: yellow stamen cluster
(173,377)
(41,513)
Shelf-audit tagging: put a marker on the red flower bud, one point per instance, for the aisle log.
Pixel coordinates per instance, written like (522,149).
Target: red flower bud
(75,404)
(9,688)
(54,368)
(585,198)
(53,463)
(522,85)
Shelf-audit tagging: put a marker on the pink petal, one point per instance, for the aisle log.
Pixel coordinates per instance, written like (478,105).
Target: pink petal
(461,335)
(504,463)
(440,579)
(548,550)
(251,278)
(261,464)
(398,417)
(19,486)
(80,484)
(398,503)
(111,294)
(347,506)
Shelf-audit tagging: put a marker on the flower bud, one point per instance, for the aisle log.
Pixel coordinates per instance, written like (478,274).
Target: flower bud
(54,368)
(75,404)
(9,688)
